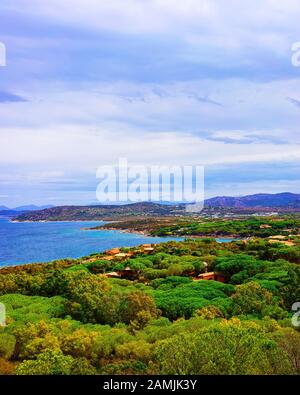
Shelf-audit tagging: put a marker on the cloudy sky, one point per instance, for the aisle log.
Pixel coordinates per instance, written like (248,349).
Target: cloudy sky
(163,82)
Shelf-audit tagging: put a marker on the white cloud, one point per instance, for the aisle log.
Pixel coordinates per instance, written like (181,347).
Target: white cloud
(268,24)
(132,16)
(143,79)
(247,108)
(80,149)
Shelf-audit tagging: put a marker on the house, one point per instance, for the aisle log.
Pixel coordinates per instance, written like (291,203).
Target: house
(128,273)
(113,275)
(211,276)
(113,251)
(288,243)
(275,241)
(205,276)
(148,250)
(123,255)
(108,258)
(281,239)
(220,277)
(265,226)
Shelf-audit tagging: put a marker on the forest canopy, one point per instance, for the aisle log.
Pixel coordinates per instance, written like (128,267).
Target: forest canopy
(69,317)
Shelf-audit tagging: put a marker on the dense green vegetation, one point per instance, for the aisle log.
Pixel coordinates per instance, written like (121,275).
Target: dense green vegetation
(243,228)
(67,317)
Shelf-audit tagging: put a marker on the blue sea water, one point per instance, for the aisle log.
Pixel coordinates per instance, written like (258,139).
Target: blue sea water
(28,242)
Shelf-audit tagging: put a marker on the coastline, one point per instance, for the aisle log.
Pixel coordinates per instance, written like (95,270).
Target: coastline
(59,221)
(63,240)
(145,233)
(148,234)
(132,231)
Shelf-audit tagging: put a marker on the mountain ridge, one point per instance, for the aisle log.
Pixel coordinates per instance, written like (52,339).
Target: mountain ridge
(260,202)
(283,199)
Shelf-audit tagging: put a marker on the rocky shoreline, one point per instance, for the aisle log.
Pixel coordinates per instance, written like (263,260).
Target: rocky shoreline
(148,233)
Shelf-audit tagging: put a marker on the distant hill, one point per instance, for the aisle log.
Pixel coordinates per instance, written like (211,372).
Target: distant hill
(11,212)
(258,202)
(285,199)
(32,207)
(90,213)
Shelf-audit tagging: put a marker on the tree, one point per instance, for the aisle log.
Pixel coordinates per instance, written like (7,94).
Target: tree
(6,367)
(7,345)
(50,362)
(226,348)
(90,298)
(33,338)
(169,282)
(134,304)
(238,267)
(100,266)
(210,312)
(186,298)
(135,350)
(288,340)
(250,298)
(81,366)
(79,343)
(36,346)
(151,274)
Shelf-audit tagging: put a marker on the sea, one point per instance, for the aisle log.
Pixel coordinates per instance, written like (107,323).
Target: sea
(30,242)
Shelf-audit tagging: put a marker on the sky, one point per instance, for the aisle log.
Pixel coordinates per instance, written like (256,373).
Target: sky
(159,82)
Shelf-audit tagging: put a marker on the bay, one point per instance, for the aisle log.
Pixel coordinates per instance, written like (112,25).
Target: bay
(29,242)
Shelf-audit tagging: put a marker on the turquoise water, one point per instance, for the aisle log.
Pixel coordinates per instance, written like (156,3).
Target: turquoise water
(28,242)
(226,240)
